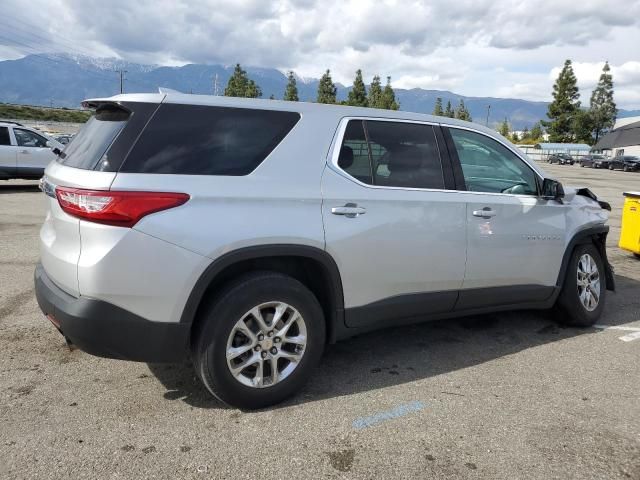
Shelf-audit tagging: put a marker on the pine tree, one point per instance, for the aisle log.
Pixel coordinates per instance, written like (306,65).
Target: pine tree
(536,132)
(525,134)
(358,93)
(583,126)
(514,137)
(326,89)
(448,112)
(504,128)
(602,107)
(564,107)
(389,97)
(239,85)
(291,92)
(437,109)
(374,99)
(462,113)
(253,90)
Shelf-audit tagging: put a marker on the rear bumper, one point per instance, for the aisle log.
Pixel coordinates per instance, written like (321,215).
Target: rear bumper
(105,330)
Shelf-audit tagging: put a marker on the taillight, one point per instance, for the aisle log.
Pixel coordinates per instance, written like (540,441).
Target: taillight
(122,209)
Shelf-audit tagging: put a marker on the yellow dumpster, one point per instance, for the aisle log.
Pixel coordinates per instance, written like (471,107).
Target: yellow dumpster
(630,234)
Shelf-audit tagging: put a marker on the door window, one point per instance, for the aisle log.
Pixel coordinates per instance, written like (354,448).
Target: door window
(392,154)
(4,136)
(27,138)
(489,166)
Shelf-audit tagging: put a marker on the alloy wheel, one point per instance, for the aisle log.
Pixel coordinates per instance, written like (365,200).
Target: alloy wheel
(266,345)
(588,279)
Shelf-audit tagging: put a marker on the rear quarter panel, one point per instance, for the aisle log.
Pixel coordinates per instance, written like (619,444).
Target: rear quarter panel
(278,203)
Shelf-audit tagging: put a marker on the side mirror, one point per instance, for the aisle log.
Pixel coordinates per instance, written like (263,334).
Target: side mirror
(49,144)
(552,190)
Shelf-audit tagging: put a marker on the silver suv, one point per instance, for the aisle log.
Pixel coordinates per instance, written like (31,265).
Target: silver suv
(246,234)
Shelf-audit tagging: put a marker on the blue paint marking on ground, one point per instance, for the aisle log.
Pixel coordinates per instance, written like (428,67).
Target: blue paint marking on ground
(399,411)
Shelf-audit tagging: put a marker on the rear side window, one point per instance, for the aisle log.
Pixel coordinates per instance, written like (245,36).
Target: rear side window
(205,140)
(392,154)
(89,146)
(4,136)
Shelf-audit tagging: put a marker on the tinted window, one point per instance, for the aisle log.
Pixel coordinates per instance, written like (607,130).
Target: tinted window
(4,136)
(27,138)
(90,144)
(489,166)
(394,154)
(203,140)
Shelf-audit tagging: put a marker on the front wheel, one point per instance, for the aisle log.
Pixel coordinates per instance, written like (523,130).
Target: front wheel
(261,339)
(583,294)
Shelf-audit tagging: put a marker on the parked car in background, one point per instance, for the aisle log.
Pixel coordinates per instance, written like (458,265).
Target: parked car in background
(594,161)
(627,163)
(561,159)
(24,151)
(64,139)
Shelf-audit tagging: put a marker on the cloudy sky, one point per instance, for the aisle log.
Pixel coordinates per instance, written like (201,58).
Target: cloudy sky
(472,47)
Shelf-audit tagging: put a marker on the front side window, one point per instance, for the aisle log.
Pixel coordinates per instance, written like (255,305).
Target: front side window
(4,136)
(489,166)
(205,140)
(27,138)
(391,154)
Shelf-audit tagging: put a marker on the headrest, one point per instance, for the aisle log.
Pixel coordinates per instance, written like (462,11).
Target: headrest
(345,160)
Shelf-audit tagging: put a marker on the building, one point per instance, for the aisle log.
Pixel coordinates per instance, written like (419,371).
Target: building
(624,139)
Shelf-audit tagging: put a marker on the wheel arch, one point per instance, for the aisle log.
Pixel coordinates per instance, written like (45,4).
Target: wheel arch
(597,236)
(312,266)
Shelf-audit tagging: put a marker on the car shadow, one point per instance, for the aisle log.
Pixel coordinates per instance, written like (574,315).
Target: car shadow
(394,356)
(19,187)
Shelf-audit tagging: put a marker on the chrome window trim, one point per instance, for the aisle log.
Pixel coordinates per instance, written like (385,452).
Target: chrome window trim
(335,153)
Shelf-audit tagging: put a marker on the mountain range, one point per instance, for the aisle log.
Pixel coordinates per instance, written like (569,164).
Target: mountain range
(64,80)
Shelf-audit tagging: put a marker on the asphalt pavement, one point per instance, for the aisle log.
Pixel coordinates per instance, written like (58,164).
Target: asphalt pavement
(504,396)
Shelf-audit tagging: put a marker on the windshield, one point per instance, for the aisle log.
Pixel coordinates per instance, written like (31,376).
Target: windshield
(90,145)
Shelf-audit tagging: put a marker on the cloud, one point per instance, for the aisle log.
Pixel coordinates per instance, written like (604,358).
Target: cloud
(480,47)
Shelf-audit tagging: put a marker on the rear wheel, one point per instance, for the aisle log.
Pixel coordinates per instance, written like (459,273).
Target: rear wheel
(262,337)
(583,294)
(610,167)
(625,168)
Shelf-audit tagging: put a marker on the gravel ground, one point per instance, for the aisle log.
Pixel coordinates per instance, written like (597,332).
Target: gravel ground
(509,395)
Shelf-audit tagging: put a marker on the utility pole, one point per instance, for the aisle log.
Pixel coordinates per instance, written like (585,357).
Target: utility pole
(215,85)
(488,110)
(122,79)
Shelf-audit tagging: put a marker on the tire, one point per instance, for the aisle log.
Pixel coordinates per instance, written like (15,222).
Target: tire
(625,168)
(582,165)
(637,255)
(219,332)
(570,309)
(610,167)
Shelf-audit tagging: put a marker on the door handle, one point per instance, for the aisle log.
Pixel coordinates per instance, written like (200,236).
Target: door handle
(486,212)
(350,210)
(24,151)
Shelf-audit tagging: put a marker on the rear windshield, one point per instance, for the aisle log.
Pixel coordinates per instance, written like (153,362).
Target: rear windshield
(89,146)
(205,140)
